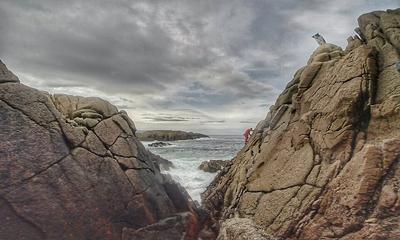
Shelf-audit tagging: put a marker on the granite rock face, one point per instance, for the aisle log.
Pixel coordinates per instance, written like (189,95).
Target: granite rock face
(242,228)
(324,163)
(72,168)
(168,135)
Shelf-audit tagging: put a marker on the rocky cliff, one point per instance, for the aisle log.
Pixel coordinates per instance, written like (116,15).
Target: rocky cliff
(168,135)
(324,164)
(72,168)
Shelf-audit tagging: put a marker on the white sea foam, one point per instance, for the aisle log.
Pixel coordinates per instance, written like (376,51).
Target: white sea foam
(187,155)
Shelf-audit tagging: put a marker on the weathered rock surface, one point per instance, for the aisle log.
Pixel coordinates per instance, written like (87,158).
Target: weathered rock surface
(242,228)
(324,164)
(213,166)
(168,135)
(170,228)
(164,164)
(6,75)
(72,168)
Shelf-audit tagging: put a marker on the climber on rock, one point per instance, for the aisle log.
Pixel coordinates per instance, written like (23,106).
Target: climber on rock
(247,133)
(398,66)
(320,40)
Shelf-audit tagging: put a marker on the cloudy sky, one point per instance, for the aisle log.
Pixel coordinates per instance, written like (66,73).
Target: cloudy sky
(209,66)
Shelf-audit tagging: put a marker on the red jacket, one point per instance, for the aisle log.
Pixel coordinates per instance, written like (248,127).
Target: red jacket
(247,132)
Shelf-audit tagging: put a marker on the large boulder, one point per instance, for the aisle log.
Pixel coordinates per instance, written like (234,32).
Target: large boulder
(72,168)
(324,164)
(213,166)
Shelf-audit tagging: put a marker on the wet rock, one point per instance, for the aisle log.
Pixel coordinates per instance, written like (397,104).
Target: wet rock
(213,165)
(162,162)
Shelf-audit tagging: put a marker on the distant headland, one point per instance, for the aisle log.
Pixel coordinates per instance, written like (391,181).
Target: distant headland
(168,135)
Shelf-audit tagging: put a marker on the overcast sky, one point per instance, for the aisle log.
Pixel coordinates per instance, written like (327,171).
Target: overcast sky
(200,65)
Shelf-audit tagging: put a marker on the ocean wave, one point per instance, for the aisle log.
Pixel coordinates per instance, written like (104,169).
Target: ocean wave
(204,138)
(187,155)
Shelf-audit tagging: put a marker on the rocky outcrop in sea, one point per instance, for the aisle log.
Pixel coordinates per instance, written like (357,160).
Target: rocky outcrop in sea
(159,144)
(324,164)
(213,166)
(168,135)
(72,168)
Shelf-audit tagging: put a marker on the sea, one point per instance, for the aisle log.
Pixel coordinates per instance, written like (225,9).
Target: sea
(187,155)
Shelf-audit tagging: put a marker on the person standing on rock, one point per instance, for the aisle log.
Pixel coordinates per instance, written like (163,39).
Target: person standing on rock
(247,133)
(318,37)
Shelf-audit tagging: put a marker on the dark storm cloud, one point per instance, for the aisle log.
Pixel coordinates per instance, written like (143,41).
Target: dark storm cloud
(206,56)
(88,42)
(127,46)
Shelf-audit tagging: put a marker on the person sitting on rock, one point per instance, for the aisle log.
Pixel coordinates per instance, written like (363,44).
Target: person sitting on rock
(247,134)
(320,40)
